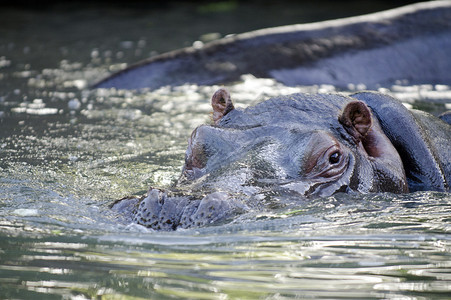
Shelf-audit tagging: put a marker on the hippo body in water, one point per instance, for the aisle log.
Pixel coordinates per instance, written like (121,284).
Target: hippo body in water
(299,146)
(410,43)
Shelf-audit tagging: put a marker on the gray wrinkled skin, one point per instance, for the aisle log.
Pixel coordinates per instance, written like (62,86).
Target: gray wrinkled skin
(297,147)
(158,211)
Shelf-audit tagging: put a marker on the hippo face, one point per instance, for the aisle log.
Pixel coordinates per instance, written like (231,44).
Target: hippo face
(307,144)
(296,146)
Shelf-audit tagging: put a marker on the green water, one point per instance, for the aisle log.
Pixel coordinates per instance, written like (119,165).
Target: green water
(67,151)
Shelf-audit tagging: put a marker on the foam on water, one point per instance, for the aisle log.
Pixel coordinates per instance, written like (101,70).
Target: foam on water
(66,152)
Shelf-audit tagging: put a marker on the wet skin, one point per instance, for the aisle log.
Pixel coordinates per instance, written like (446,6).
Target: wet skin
(410,43)
(300,146)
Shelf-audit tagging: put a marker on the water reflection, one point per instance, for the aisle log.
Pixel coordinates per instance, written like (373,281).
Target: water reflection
(66,152)
(60,239)
(269,266)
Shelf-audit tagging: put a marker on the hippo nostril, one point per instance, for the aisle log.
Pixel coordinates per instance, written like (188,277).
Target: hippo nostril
(196,154)
(198,157)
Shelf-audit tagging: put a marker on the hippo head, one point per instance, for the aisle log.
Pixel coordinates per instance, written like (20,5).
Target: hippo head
(312,145)
(297,146)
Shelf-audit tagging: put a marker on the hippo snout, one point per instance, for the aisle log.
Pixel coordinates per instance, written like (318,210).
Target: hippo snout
(161,211)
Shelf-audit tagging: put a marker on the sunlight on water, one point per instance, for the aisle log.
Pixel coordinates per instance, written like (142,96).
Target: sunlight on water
(61,239)
(66,152)
(255,266)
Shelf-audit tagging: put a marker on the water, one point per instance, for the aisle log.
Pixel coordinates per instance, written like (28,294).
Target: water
(67,151)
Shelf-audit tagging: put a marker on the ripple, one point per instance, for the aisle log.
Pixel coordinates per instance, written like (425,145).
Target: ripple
(66,152)
(25,212)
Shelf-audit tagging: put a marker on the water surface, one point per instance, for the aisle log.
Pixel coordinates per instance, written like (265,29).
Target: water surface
(67,151)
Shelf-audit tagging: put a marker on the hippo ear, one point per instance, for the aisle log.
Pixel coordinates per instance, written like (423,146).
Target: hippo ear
(222,104)
(356,119)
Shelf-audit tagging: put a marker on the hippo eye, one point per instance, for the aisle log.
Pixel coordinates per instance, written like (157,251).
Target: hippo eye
(325,158)
(334,158)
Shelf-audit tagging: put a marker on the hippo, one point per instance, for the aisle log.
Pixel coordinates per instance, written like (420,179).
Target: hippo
(408,44)
(301,146)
